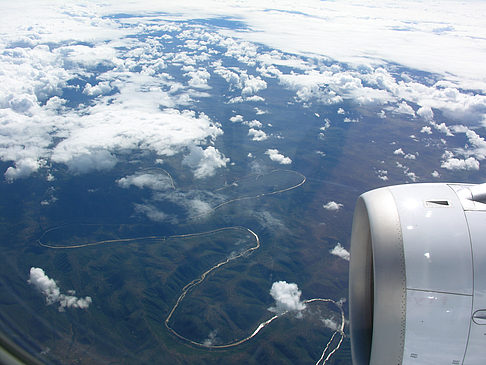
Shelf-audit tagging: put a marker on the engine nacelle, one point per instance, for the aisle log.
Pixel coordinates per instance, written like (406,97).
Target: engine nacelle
(417,292)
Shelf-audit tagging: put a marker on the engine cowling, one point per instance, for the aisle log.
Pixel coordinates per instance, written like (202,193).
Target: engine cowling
(417,292)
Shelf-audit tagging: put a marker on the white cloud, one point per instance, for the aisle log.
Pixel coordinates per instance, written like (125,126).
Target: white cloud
(205,161)
(23,168)
(93,139)
(478,143)
(287,297)
(442,128)
(85,161)
(151,212)
(386,31)
(426,129)
(199,207)
(101,88)
(327,124)
(411,175)
(406,171)
(330,323)
(340,251)
(453,163)
(252,85)
(154,181)
(248,84)
(253,124)
(241,99)
(276,156)
(425,112)
(236,118)
(40,128)
(86,56)
(404,108)
(212,338)
(49,288)
(199,79)
(257,134)
(259,111)
(399,151)
(332,205)
(383,175)
(195,203)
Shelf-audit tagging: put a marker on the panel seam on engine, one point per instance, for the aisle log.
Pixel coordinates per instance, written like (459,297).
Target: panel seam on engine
(440,292)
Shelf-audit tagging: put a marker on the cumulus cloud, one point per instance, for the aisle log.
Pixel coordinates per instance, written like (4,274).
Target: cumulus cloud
(311,85)
(259,111)
(85,161)
(236,118)
(276,156)
(205,161)
(101,88)
(442,128)
(92,144)
(477,143)
(254,124)
(453,163)
(119,61)
(404,108)
(152,181)
(426,129)
(199,78)
(127,96)
(332,205)
(425,112)
(257,134)
(340,251)
(23,168)
(252,85)
(287,298)
(49,288)
(240,79)
(383,175)
(406,171)
(241,99)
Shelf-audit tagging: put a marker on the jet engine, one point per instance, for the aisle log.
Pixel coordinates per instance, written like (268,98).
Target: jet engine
(417,291)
